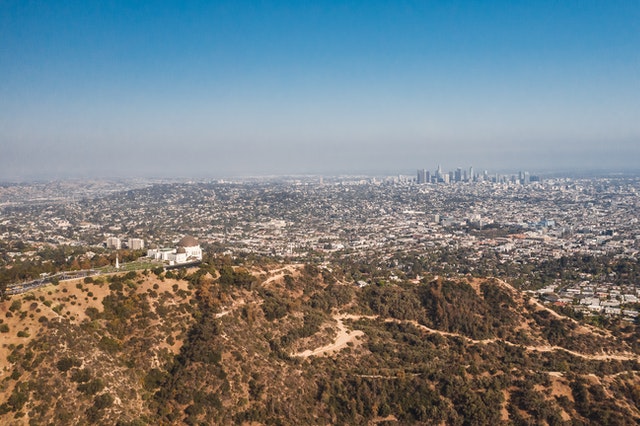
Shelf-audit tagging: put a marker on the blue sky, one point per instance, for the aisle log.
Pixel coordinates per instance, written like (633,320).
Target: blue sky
(197,89)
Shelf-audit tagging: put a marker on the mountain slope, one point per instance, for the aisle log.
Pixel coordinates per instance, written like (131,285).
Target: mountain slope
(293,344)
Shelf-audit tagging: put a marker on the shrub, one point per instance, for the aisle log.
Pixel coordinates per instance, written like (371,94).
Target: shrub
(81,376)
(15,306)
(92,312)
(92,387)
(103,401)
(109,345)
(154,379)
(66,363)
(19,397)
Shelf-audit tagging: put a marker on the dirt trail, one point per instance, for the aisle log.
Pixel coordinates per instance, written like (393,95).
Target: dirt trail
(344,337)
(622,356)
(586,328)
(280,273)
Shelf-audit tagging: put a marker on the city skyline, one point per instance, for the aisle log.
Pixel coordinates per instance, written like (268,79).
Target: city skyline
(226,89)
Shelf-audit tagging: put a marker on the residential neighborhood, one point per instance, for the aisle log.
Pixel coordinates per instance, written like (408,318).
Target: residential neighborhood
(501,220)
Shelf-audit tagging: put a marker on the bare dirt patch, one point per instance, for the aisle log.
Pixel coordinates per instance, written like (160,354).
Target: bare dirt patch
(343,338)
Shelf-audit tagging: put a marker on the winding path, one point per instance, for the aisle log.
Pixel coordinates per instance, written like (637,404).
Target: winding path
(345,336)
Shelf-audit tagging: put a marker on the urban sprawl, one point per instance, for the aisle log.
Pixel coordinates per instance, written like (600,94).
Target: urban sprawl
(513,219)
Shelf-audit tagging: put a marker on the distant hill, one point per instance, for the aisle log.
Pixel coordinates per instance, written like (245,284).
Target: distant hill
(298,344)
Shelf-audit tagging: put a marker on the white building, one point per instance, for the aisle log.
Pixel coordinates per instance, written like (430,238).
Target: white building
(114,243)
(188,250)
(135,243)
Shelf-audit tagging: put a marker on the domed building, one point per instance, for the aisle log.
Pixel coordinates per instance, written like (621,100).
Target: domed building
(188,241)
(187,251)
(191,247)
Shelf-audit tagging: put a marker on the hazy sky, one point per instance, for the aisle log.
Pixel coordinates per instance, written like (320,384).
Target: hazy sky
(207,88)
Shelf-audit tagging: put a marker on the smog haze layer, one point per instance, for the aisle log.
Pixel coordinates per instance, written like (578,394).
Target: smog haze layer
(170,89)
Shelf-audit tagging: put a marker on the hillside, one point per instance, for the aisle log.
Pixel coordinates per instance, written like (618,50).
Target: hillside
(294,344)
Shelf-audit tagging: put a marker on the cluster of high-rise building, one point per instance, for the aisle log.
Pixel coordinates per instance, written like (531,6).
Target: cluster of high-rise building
(468,175)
